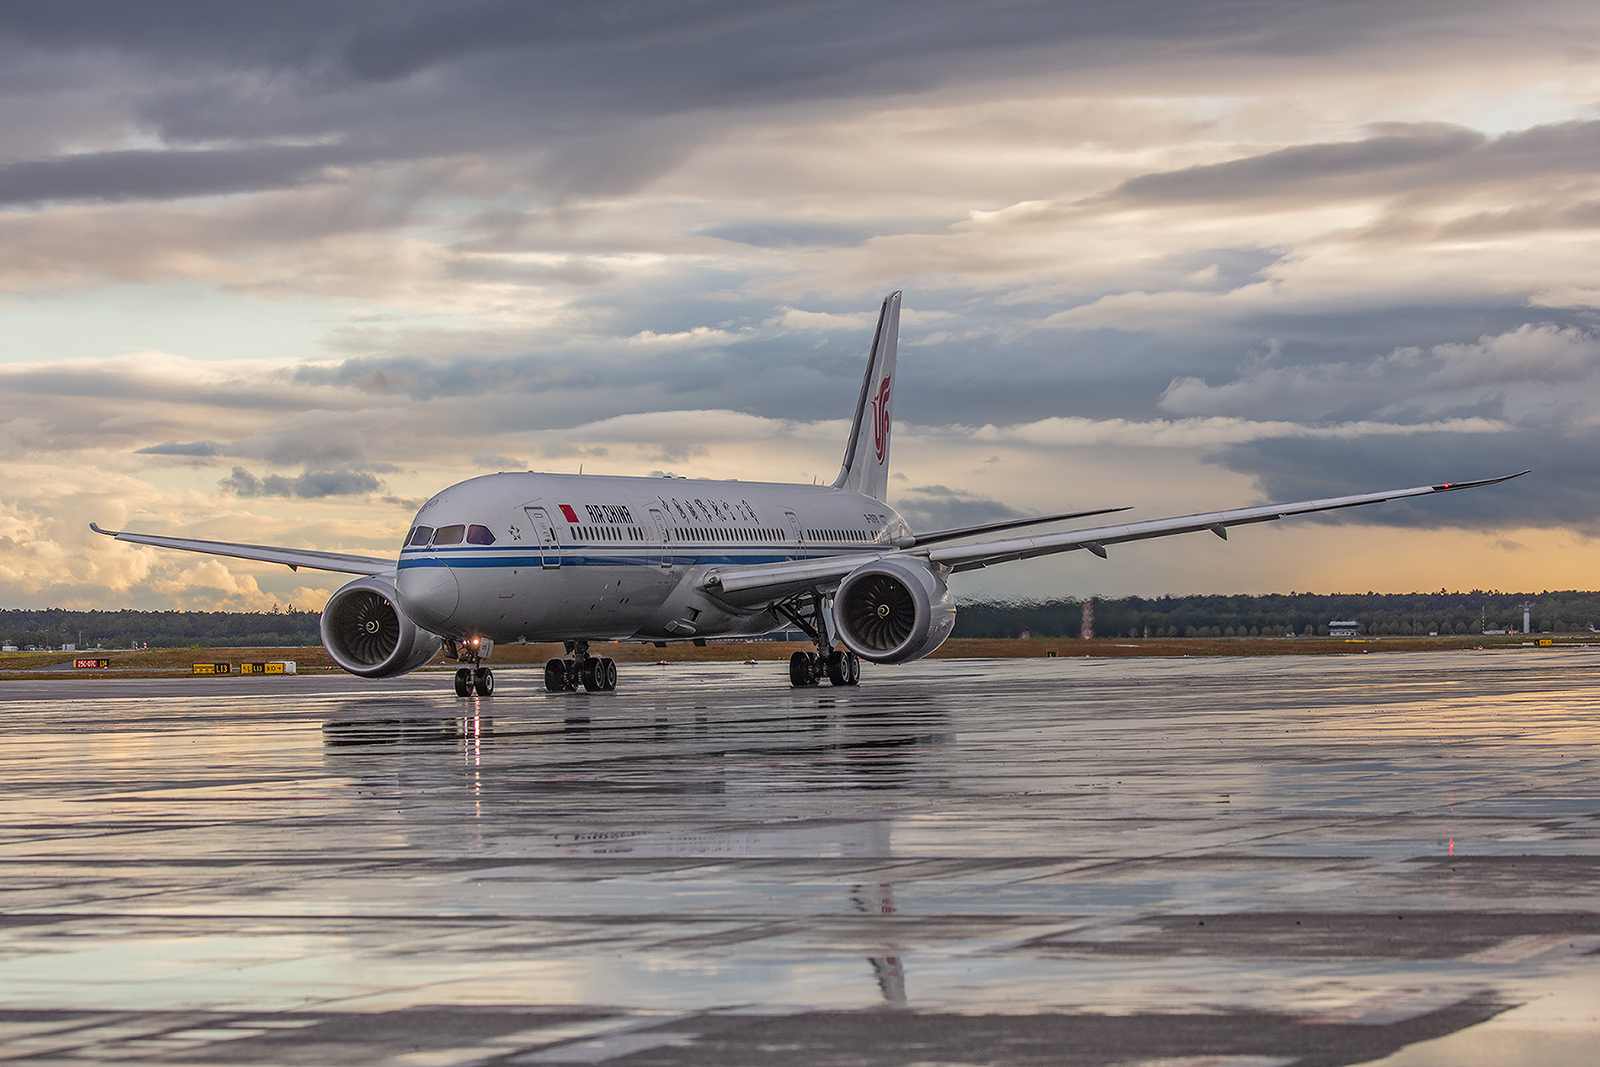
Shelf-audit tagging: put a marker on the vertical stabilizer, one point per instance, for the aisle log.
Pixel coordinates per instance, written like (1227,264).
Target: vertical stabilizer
(866,457)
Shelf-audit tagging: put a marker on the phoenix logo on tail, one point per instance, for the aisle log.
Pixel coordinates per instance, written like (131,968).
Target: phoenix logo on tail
(880,418)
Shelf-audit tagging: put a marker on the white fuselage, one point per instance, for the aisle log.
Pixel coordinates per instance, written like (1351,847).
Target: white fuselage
(549,557)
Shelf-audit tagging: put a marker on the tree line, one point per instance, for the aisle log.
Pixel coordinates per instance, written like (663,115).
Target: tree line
(1268,615)
(54,627)
(1280,614)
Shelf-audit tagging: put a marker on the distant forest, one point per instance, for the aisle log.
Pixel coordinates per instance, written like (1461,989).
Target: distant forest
(1277,614)
(55,627)
(1272,615)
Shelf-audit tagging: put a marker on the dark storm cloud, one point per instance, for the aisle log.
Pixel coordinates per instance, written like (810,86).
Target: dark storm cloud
(176,448)
(1398,158)
(311,484)
(370,40)
(1563,489)
(513,79)
(445,33)
(937,507)
(166,175)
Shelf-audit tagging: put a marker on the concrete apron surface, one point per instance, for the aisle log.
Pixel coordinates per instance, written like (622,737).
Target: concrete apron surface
(1247,862)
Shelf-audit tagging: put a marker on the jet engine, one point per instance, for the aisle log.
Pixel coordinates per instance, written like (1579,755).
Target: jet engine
(893,610)
(366,633)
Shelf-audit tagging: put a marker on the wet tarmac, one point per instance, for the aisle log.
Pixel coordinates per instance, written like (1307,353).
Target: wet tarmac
(1245,862)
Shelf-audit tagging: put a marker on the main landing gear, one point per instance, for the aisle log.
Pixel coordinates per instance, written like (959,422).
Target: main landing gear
(597,674)
(840,666)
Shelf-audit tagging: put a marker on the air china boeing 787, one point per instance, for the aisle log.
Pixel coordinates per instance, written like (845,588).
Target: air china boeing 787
(519,557)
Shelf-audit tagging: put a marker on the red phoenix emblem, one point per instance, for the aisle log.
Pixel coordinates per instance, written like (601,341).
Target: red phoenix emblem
(880,418)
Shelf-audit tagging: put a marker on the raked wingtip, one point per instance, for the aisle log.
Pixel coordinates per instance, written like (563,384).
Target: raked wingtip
(1445,487)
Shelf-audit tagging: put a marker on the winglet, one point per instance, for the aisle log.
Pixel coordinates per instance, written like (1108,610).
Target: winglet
(108,533)
(866,456)
(1447,486)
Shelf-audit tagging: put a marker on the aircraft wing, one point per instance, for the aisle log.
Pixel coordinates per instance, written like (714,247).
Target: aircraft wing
(293,558)
(984,554)
(765,581)
(995,527)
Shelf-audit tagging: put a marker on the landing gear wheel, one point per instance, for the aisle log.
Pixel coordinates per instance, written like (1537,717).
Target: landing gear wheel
(464,682)
(593,675)
(799,670)
(483,681)
(555,676)
(805,669)
(844,668)
(608,675)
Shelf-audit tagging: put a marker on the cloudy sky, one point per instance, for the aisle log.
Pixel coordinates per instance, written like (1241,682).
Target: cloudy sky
(278,272)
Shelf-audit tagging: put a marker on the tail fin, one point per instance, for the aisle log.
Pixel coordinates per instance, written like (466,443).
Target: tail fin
(866,457)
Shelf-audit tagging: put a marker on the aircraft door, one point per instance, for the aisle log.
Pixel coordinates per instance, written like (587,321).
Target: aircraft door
(663,546)
(794,527)
(545,534)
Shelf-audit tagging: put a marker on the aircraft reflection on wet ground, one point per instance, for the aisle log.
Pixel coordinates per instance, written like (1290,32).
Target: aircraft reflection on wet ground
(1259,862)
(871,748)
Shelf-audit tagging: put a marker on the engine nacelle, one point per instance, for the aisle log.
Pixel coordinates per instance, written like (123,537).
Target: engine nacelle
(366,633)
(893,610)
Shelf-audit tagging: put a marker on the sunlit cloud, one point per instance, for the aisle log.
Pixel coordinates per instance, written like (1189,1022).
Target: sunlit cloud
(280,274)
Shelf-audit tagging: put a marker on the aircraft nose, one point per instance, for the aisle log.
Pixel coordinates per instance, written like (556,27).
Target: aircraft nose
(428,593)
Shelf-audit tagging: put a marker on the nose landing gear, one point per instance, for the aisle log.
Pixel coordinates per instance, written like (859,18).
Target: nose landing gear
(471,680)
(476,678)
(597,674)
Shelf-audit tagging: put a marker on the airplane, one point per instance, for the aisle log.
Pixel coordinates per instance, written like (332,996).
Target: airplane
(530,557)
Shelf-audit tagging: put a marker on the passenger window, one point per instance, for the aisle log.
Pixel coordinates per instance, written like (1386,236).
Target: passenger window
(449,535)
(479,535)
(419,536)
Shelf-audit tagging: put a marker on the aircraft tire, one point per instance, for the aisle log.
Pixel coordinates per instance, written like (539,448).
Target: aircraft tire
(483,681)
(555,676)
(800,669)
(844,668)
(593,675)
(464,682)
(608,675)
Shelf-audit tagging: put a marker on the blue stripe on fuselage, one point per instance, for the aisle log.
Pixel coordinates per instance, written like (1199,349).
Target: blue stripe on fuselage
(576,556)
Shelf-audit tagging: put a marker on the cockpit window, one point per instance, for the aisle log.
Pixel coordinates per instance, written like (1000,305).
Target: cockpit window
(449,535)
(419,536)
(479,535)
